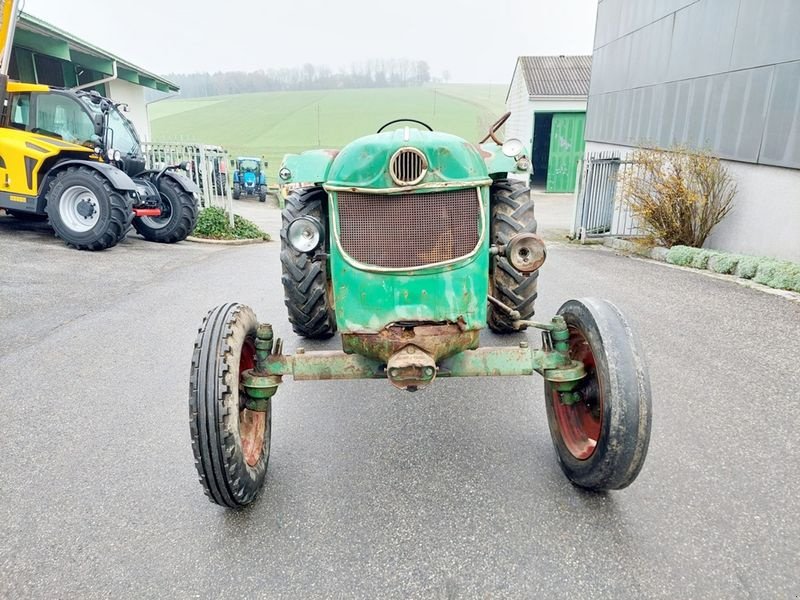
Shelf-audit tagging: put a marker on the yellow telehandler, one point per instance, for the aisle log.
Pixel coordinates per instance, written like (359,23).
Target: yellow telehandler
(71,156)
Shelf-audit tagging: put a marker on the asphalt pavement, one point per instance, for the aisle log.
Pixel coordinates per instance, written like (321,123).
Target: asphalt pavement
(452,492)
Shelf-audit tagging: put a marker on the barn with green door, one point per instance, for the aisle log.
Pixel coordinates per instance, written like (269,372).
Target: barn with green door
(547,101)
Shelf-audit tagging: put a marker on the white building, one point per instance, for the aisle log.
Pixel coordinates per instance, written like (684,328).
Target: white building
(46,54)
(547,101)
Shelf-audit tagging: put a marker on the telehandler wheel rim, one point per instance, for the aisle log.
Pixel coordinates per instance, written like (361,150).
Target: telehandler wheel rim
(252,423)
(79,208)
(580,423)
(162,220)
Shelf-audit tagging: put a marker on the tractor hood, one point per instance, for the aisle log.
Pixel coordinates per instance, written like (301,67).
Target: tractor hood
(365,163)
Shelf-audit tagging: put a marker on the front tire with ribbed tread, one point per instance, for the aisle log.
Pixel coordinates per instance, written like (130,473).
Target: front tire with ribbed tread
(512,213)
(305,280)
(218,417)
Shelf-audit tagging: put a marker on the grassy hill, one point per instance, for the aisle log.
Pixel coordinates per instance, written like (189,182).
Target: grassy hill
(272,124)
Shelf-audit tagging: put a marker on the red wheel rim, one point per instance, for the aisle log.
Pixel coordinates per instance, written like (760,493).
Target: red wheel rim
(252,423)
(580,423)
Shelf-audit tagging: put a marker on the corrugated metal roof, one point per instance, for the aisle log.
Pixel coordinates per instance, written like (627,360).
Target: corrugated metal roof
(556,75)
(143,77)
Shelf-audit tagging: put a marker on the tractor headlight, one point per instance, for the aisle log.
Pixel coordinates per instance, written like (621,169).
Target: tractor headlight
(526,252)
(512,147)
(304,234)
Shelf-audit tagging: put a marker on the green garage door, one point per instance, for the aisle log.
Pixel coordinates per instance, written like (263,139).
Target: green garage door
(566,149)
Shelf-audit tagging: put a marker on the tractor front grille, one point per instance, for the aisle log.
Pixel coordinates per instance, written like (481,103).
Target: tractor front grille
(400,231)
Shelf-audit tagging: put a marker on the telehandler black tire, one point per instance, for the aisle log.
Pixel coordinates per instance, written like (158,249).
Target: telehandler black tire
(230,442)
(86,211)
(601,440)
(178,217)
(512,212)
(306,288)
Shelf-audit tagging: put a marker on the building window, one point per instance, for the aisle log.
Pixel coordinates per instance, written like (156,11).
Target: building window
(49,70)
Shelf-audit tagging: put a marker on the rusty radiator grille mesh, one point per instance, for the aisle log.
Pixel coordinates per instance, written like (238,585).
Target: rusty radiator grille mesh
(408,230)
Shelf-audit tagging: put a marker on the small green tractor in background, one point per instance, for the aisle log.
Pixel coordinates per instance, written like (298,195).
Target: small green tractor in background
(408,243)
(249,178)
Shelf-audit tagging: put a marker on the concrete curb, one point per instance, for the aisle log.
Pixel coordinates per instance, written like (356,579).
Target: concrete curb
(659,254)
(198,240)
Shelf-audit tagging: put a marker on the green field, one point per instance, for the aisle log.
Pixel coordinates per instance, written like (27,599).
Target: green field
(275,123)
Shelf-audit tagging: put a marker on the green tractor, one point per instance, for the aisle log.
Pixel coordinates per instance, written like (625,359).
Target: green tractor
(408,243)
(72,157)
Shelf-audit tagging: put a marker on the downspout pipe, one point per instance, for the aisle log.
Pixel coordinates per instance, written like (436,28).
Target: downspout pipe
(111,77)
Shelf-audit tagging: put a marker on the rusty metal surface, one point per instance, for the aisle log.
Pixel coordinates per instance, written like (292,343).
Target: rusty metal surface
(411,368)
(494,129)
(526,251)
(324,366)
(440,341)
(409,230)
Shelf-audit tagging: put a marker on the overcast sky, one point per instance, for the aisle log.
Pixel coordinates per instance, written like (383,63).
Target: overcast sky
(477,41)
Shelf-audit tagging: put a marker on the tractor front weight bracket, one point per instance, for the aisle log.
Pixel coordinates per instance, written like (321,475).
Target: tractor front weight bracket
(552,361)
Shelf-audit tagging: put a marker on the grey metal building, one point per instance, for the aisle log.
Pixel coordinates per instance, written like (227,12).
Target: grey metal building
(719,75)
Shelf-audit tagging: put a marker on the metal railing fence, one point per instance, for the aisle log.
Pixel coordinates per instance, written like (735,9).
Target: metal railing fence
(206,165)
(600,207)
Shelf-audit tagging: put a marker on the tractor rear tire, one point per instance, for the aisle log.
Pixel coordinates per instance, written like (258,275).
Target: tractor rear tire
(306,287)
(230,442)
(178,216)
(512,213)
(85,211)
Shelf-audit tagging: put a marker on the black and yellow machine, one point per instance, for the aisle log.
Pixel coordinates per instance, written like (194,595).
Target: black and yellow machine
(72,157)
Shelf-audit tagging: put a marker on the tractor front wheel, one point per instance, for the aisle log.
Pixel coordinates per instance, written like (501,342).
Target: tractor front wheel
(237,191)
(601,432)
(85,211)
(512,213)
(178,215)
(230,442)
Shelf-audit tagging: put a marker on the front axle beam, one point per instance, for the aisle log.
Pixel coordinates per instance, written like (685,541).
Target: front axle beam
(482,362)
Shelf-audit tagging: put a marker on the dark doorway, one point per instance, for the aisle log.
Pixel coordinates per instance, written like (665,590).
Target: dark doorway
(542,124)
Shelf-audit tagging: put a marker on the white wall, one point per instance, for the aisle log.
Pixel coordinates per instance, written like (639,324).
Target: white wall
(765,219)
(520,123)
(132,95)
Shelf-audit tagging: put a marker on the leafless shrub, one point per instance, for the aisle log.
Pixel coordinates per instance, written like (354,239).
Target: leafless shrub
(679,195)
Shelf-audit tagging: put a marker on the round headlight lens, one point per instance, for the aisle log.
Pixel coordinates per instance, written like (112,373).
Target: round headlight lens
(512,147)
(304,234)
